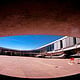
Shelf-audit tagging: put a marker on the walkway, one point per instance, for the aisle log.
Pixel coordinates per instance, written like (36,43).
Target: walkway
(30,67)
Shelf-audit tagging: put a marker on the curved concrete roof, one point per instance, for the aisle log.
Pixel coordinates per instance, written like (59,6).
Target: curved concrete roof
(30,17)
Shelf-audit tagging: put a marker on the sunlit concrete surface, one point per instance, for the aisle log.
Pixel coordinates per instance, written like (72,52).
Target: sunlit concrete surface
(30,67)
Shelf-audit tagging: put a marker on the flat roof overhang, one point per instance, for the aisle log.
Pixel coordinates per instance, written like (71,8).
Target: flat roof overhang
(38,17)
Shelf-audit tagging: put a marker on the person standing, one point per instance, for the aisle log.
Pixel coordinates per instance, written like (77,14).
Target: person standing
(72,60)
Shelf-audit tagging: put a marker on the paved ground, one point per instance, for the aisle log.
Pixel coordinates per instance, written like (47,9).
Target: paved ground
(30,67)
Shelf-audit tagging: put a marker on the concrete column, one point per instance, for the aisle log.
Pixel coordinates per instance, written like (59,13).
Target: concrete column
(11,53)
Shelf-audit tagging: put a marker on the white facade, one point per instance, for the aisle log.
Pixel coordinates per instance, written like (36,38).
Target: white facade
(58,43)
(77,40)
(71,41)
(55,46)
(64,41)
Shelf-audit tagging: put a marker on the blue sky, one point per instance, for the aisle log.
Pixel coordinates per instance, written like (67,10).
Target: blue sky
(26,42)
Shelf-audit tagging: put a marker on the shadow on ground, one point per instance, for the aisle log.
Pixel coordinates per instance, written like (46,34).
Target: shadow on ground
(71,77)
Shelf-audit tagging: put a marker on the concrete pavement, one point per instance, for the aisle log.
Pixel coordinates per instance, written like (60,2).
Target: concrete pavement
(31,67)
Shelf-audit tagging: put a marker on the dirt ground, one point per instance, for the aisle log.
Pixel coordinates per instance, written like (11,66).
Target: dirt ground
(31,67)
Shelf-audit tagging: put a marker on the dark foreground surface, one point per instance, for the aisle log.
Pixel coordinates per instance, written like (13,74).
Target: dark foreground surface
(71,77)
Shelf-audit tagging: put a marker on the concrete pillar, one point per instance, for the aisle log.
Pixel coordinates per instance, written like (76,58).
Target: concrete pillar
(11,53)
